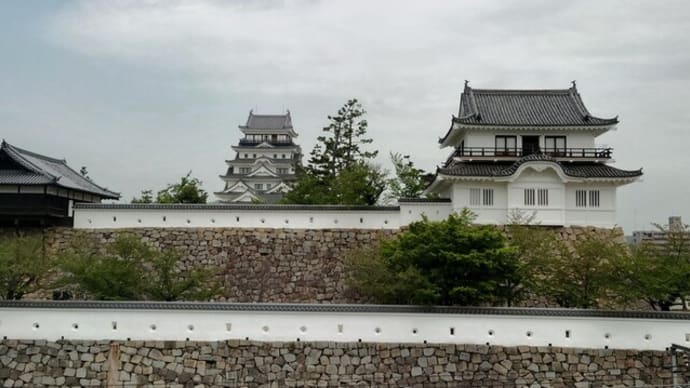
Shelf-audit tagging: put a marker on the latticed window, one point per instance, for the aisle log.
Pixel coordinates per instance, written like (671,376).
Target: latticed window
(536,197)
(475,197)
(543,197)
(581,198)
(529,197)
(488,197)
(594,198)
(481,197)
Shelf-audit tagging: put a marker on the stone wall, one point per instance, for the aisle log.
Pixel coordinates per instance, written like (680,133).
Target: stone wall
(257,265)
(324,364)
(266,265)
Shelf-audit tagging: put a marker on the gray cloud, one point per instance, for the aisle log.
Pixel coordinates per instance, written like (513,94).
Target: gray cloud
(406,60)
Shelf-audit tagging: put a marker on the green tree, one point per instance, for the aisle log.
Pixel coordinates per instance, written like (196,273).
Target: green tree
(129,269)
(341,148)
(409,181)
(166,282)
(339,170)
(146,197)
(582,274)
(24,265)
(188,190)
(450,262)
(658,274)
(116,274)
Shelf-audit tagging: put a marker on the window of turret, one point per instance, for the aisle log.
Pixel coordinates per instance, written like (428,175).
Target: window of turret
(246,156)
(283,156)
(259,186)
(506,145)
(594,198)
(555,145)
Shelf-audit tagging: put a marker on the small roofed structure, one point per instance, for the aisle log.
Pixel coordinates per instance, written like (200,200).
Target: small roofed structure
(37,190)
(265,160)
(532,153)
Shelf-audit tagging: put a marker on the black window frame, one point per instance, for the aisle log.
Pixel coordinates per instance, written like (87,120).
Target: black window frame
(555,150)
(504,150)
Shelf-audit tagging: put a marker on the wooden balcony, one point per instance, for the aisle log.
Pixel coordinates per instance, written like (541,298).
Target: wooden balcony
(250,142)
(508,153)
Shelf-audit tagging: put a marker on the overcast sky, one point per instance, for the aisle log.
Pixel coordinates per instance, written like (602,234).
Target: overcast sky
(140,92)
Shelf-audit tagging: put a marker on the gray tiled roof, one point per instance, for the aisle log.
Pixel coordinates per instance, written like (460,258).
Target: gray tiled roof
(557,107)
(255,121)
(503,169)
(40,169)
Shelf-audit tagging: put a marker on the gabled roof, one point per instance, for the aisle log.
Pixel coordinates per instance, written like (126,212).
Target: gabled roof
(279,188)
(504,107)
(35,169)
(254,121)
(503,169)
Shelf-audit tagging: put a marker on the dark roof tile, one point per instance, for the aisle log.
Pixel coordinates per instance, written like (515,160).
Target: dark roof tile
(504,169)
(255,121)
(557,107)
(41,169)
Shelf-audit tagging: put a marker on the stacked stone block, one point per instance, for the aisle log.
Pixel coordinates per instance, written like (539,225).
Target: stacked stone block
(323,364)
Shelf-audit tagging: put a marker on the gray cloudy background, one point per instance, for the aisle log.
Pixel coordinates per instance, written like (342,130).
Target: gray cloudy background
(140,92)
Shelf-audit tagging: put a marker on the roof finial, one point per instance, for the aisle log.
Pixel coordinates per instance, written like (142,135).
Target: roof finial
(574,82)
(467,83)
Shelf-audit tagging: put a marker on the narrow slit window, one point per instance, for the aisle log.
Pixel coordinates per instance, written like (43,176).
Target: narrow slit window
(488,197)
(529,197)
(475,197)
(580,198)
(594,198)
(543,197)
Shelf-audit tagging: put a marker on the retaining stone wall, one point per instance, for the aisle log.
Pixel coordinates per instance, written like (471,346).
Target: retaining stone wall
(265,265)
(323,364)
(257,265)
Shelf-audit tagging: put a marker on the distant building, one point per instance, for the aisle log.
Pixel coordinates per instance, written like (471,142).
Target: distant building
(265,160)
(533,153)
(37,190)
(659,237)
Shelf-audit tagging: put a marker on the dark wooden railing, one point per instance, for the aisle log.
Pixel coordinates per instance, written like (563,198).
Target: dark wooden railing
(250,142)
(602,153)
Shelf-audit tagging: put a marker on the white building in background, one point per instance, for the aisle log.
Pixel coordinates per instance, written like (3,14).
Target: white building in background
(533,153)
(265,160)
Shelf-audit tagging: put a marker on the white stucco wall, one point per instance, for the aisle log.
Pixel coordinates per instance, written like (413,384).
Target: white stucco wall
(97,218)
(204,325)
(484,138)
(561,209)
(273,216)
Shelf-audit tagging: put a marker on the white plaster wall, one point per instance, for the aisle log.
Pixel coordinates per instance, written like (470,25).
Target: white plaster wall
(496,214)
(483,138)
(414,211)
(504,330)
(100,218)
(603,216)
(529,178)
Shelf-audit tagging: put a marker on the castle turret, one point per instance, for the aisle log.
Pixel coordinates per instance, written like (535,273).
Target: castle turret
(265,160)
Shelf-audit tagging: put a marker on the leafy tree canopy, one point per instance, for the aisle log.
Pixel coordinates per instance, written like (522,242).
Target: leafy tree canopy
(129,269)
(449,262)
(658,273)
(188,190)
(24,265)
(409,181)
(339,170)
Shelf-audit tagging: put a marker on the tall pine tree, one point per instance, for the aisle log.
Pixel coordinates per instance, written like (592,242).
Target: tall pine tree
(340,170)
